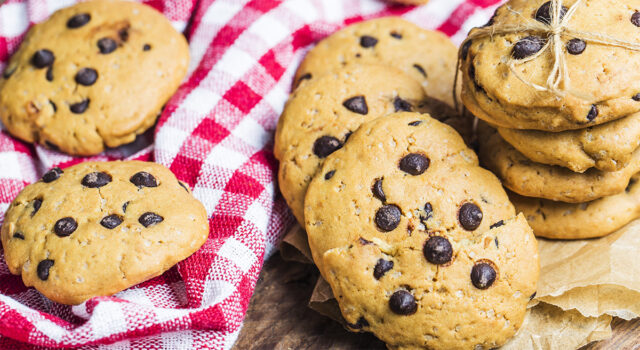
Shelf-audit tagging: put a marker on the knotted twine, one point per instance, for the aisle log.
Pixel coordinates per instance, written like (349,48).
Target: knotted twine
(554,31)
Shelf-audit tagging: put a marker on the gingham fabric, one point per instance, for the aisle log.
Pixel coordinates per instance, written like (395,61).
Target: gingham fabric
(216,134)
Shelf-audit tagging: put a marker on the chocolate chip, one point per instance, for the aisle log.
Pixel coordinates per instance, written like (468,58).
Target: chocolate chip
(305,76)
(147,219)
(526,47)
(470,216)
(420,69)
(636,97)
(52,175)
(53,105)
(414,163)
(111,221)
(124,34)
(326,145)
(143,179)
(18,235)
(495,239)
(593,113)
(388,217)
(37,203)
(368,41)
(86,76)
(396,35)
(146,47)
(483,275)
(533,295)
(78,20)
(362,322)
(576,46)
(42,58)
(65,226)
(329,174)
(183,186)
(544,13)
(635,19)
(49,74)
(464,51)
(124,207)
(96,179)
(382,266)
(403,303)
(416,123)
(356,104)
(43,269)
(377,190)
(80,107)
(428,212)
(347,135)
(437,250)
(107,45)
(497,224)
(402,105)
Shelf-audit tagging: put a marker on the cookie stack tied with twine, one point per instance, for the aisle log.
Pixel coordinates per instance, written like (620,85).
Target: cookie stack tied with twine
(557,86)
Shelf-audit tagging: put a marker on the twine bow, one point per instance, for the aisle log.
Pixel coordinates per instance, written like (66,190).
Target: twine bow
(558,82)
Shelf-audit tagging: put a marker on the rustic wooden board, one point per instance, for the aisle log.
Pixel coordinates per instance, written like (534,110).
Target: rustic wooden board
(278,317)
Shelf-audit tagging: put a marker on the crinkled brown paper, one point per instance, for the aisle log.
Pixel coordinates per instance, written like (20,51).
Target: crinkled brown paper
(582,285)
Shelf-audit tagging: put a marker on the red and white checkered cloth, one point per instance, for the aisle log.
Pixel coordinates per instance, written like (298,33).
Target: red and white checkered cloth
(216,134)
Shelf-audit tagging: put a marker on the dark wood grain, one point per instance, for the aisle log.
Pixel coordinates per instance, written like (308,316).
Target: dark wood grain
(278,317)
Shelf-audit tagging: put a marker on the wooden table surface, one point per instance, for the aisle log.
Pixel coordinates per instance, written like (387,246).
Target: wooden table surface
(278,317)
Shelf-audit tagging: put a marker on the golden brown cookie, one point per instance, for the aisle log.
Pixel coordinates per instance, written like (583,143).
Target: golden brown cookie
(321,114)
(426,55)
(93,75)
(97,228)
(420,245)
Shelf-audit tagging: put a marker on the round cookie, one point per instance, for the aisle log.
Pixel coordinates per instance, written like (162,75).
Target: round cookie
(93,75)
(608,147)
(602,78)
(420,245)
(553,182)
(320,115)
(97,228)
(427,56)
(597,218)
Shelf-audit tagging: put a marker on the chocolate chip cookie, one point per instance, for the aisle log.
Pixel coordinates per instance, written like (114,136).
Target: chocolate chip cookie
(600,85)
(420,245)
(97,228)
(426,55)
(320,116)
(597,218)
(556,183)
(608,147)
(93,75)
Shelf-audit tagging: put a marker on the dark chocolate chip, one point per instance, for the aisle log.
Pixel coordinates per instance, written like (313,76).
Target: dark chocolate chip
(42,58)
(414,163)
(362,322)
(420,69)
(356,104)
(364,241)
(183,186)
(483,275)
(80,107)
(368,41)
(403,303)
(96,179)
(37,203)
(111,221)
(388,217)
(396,35)
(377,190)
(593,113)
(124,207)
(544,13)
(635,19)
(382,266)
(437,250)
(65,226)
(78,20)
(86,76)
(305,76)
(636,97)
(146,47)
(402,105)
(18,235)
(124,34)
(428,210)
(464,51)
(52,175)
(576,46)
(43,269)
(533,295)
(347,135)
(495,239)
(416,123)
(107,45)
(497,224)
(143,179)
(147,219)
(329,175)
(526,47)
(49,74)
(326,145)
(53,105)
(470,216)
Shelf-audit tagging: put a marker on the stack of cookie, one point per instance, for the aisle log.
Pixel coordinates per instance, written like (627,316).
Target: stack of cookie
(557,88)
